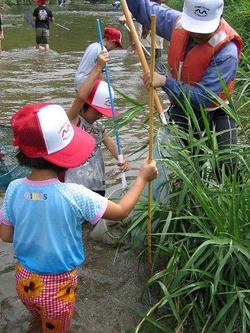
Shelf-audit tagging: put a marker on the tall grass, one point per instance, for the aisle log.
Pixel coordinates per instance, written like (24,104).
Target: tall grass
(201,233)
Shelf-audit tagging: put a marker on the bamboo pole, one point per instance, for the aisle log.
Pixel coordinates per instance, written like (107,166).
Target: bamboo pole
(151,141)
(139,49)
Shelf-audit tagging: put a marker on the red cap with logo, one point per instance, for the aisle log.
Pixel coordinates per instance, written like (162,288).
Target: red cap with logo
(44,130)
(114,35)
(99,99)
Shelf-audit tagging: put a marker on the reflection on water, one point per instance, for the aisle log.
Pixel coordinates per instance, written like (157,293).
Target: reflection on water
(27,75)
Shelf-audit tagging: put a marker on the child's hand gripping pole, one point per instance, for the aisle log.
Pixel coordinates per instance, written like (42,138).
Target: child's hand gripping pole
(118,143)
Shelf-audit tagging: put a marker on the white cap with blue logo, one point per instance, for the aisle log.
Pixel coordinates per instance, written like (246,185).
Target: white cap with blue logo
(201,16)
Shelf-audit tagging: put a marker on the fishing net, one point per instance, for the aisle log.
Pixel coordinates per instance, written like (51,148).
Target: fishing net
(166,147)
(160,67)
(28,18)
(107,231)
(9,167)
(161,186)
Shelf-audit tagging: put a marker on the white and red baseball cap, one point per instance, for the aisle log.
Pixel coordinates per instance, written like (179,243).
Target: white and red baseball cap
(201,16)
(99,99)
(44,130)
(114,35)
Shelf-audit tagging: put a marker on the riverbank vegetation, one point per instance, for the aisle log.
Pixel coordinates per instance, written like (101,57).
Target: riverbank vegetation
(201,236)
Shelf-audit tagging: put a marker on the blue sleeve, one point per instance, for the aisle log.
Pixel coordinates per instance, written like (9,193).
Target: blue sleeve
(222,68)
(5,210)
(165,16)
(90,205)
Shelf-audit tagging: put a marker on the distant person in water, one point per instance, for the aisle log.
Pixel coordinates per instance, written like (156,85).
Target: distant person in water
(61,3)
(42,17)
(1,29)
(116,5)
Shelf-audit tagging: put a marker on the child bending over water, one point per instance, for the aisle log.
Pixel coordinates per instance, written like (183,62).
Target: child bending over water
(96,106)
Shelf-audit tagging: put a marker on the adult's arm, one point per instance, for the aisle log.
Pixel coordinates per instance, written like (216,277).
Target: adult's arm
(222,69)
(165,16)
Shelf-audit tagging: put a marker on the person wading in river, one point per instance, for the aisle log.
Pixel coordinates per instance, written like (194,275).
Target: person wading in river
(43,217)
(42,17)
(204,51)
(112,39)
(145,38)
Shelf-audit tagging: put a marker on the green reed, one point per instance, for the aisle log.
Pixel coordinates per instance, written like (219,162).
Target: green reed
(200,233)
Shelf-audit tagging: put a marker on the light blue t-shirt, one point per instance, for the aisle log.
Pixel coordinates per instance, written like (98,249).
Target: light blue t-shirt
(47,217)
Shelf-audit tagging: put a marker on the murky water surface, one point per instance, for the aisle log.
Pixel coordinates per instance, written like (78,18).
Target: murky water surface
(27,75)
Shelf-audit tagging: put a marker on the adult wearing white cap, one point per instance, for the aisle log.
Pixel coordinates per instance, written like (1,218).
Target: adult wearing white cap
(204,51)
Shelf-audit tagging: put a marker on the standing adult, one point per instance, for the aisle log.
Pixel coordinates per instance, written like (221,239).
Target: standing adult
(145,37)
(42,17)
(1,30)
(203,56)
(112,39)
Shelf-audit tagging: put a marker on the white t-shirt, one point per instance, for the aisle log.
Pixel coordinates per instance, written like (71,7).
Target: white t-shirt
(87,63)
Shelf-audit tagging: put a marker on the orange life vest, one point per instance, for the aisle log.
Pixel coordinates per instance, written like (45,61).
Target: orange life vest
(190,68)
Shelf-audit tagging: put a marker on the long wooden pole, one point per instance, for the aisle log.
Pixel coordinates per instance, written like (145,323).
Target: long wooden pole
(151,140)
(139,50)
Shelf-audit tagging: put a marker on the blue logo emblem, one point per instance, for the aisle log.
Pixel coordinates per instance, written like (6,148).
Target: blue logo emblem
(201,11)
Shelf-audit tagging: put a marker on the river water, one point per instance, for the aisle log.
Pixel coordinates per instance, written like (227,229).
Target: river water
(27,75)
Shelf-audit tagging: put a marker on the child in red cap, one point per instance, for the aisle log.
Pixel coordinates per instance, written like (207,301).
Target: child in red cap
(43,217)
(96,106)
(112,38)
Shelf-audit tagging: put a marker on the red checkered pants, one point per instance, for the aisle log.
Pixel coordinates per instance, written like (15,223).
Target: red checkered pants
(49,297)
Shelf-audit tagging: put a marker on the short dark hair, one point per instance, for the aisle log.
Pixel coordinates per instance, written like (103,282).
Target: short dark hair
(38,163)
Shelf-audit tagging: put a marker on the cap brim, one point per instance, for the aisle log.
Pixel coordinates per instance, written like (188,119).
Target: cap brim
(198,26)
(105,112)
(76,153)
